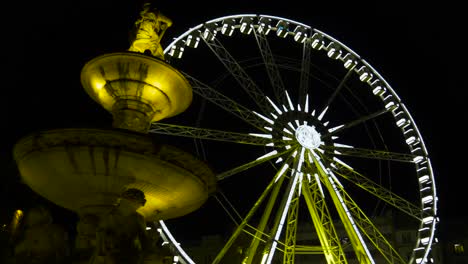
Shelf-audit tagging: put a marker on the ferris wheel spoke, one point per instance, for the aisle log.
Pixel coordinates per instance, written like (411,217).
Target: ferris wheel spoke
(238,73)
(225,102)
(250,214)
(322,221)
(207,134)
(260,230)
(260,160)
(278,224)
(305,70)
(378,191)
(271,67)
(336,130)
(370,153)
(370,230)
(291,224)
(338,89)
(360,248)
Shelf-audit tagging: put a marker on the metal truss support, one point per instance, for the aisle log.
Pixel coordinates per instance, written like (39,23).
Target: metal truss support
(305,70)
(252,250)
(380,192)
(379,241)
(370,154)
(244,222)
(271,67)
(209,134)
(225,102)
(291,226)
(239,74)
(330,243)
(357,241)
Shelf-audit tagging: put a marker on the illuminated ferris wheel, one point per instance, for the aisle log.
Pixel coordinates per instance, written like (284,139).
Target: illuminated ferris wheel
(304,124)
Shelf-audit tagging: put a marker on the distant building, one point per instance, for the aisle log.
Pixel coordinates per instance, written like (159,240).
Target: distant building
(454,241)
(395,230)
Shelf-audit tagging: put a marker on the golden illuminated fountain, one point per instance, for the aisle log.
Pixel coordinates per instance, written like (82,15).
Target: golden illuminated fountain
(85,170)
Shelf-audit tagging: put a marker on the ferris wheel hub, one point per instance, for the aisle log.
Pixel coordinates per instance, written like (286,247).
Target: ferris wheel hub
(308,137)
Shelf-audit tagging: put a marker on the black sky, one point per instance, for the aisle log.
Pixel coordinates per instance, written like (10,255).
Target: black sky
(45,45)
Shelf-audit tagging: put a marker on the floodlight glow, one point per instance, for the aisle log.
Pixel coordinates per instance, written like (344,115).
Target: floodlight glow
(334,177)
(274,152)
(268,128)
(310,158)
(301,159)
(289,101)
(291,126)
(319,184)
(264,118)
(313,113)
(282,170)
(326,123)
(342,145)
(306,107)
(283,217)
(323,113)
(342,162)
(335,128)
(271,144)
(301,176)
(299,107)
(286,138)
(297,122)
(287,131)
(261,135)
(274,106)
(274,116)
(279,160)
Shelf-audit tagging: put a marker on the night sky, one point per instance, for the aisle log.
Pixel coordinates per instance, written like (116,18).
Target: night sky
(45,45)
